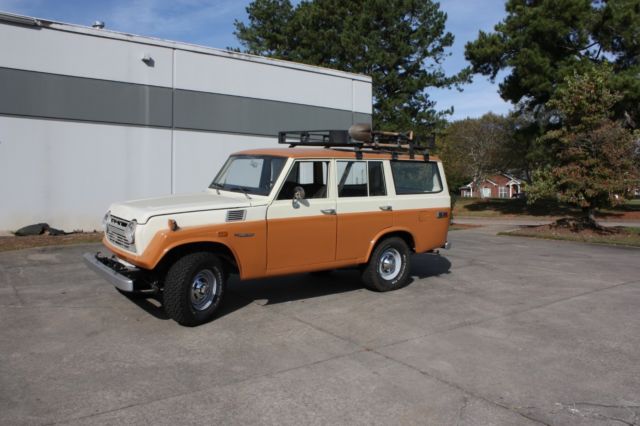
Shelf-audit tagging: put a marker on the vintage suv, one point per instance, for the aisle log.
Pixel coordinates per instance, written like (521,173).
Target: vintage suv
(365,199)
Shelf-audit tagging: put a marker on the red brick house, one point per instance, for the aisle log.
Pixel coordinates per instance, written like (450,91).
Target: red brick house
(496,186)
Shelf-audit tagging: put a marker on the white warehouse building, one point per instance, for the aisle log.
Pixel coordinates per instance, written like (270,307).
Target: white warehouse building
(90,116)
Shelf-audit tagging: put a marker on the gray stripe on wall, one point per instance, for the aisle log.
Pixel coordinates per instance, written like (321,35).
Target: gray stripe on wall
(210,111)
(37,94)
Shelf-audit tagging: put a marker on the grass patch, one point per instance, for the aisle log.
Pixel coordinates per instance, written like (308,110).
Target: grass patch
(623,236)
(462,226)
(509,208)
(19,243)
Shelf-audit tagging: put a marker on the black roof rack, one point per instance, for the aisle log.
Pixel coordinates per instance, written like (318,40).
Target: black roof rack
(358,137)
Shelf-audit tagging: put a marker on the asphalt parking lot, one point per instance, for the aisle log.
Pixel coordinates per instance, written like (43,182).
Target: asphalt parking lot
(498,330)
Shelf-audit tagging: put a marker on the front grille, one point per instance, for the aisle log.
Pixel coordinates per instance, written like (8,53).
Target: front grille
(115,233)
(236,215)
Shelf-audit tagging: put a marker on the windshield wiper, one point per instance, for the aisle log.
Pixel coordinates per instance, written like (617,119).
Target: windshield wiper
(245,191)
(216,186)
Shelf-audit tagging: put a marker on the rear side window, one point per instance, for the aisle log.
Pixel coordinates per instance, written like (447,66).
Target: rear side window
(360,179)
(376,179)
(414,177)
(352,179)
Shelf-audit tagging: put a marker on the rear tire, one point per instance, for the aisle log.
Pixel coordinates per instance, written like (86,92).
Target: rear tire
(193,288)
(389,265)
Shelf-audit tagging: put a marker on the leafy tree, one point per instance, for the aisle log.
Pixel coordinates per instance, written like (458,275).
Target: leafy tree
(542,42)
(595,162)
(400,43)
(472,149)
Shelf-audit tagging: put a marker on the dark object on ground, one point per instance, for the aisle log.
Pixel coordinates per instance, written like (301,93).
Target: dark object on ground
(580,224)
(37,229)
(54,231)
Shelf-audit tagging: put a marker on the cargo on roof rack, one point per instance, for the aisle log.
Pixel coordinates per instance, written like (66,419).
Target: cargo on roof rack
(358,137)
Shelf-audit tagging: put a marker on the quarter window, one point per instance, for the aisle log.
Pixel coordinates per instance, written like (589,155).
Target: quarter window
(413,177)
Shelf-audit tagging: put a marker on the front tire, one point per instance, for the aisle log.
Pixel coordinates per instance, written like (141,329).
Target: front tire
(389,265)
(193,288)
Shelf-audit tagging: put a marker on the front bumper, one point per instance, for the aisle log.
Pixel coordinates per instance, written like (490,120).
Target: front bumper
(108,269)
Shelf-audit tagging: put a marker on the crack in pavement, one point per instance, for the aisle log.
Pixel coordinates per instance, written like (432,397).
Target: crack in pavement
(205,389)
(463,390)
(571,409)
(507,315)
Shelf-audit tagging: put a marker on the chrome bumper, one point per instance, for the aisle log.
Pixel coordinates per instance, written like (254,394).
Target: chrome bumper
(100,267)
(447,245)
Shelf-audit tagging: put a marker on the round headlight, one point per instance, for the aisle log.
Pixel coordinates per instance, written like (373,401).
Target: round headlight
(106,220)
(130,231)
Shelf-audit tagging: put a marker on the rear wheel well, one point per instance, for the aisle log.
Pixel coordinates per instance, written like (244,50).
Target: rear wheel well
(406,236)
(223,252)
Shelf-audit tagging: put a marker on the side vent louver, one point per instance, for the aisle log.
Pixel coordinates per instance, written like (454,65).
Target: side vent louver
(236,215)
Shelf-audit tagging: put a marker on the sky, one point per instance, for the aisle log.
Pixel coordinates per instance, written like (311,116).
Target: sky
(210,23)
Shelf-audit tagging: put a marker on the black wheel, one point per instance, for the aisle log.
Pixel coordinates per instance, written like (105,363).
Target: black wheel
(193,288)
(389,265)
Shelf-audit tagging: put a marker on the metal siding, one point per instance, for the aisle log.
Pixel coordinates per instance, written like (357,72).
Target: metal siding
(37,94)
(223,113)
(67,174)
(44,95)
(84,122)
(228,76)
(197,156)
(62,52)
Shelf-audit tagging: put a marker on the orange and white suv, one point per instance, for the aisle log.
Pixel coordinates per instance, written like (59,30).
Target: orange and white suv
(268,212)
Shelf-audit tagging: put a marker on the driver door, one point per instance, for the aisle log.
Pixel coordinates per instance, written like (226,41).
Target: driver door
(301,230)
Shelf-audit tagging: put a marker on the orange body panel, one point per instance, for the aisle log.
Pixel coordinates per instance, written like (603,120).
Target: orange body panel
(357,232)
(250,252)
(302,244)
(428,230)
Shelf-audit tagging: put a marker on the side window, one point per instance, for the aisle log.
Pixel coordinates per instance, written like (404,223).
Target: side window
(310,175)
(413,177)
(352,179)
(376,179)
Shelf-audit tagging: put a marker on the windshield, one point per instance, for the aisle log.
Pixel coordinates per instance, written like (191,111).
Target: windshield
(251,174)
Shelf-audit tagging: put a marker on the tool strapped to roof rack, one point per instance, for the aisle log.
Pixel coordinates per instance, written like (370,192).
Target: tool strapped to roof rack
(358,136)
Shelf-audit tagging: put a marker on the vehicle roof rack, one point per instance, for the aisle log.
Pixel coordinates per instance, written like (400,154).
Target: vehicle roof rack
(358,137)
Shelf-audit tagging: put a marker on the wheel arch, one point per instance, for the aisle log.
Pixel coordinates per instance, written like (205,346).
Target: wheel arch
(405,234)
(226,254)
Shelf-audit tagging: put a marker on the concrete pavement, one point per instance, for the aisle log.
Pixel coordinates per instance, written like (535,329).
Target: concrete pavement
(498,330)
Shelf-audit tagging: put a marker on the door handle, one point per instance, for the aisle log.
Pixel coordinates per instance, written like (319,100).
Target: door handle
(386,208)
(328,211)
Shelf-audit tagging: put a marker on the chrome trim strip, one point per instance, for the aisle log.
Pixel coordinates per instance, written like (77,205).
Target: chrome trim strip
(115,278)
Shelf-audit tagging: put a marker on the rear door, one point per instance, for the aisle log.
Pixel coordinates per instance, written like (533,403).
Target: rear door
(364,206)
(302,232)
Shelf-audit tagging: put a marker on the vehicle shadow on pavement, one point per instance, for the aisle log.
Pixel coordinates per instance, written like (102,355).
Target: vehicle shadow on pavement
(276,290)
